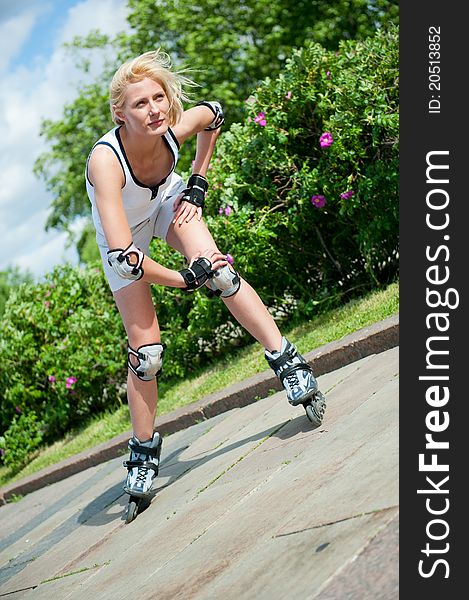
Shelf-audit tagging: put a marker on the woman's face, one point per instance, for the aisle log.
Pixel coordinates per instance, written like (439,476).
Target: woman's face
(145,108)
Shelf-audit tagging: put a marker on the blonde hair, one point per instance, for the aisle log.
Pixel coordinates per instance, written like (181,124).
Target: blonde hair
(155,65)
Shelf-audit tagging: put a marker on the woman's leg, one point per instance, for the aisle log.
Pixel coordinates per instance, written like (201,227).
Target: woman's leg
(141,324)
(246,305)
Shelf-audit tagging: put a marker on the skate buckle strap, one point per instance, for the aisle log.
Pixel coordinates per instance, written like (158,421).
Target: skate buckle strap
(154,452)
(130,464)
(296,367)
(289,354)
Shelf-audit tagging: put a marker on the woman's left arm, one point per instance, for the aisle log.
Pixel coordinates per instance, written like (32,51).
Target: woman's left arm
(199,119)
(206,141)
(203,116)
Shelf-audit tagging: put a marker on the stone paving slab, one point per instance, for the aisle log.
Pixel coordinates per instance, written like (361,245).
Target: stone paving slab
(253,502)
(374,573)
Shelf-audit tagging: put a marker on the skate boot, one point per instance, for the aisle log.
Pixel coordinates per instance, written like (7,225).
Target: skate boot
(142,467)
(297,378)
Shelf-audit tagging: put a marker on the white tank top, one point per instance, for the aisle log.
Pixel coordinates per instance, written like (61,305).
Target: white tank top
(140,200)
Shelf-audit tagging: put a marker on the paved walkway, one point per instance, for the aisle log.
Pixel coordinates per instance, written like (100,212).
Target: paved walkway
(251,503)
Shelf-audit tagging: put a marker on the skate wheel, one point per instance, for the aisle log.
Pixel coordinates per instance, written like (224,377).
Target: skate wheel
(316,408)
(311,414)
(132,510)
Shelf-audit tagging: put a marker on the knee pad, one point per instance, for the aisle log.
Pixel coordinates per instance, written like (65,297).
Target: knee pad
(150,361)
(224,282)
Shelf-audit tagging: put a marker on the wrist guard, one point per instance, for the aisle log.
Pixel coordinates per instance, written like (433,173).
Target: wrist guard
(219,117)
(127,263)
(197,274)
(197,187)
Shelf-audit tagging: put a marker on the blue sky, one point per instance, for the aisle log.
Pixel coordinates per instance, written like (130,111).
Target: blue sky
(38,78)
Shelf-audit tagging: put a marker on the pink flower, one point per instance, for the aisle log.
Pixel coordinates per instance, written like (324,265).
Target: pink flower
(220,210)
(228,211)
(346,195)
(318,201)
(260,119)
(328,74)
(230,259)
(47,304)
(70,381)
(325,140)
(288,95)
(51,379)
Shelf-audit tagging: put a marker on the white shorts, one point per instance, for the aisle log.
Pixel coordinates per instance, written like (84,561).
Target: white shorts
(156,225)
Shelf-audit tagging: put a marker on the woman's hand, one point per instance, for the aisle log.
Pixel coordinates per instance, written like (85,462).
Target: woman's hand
(214,256)
(185,211)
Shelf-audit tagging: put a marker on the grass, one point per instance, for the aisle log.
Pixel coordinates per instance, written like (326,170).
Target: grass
(243,363)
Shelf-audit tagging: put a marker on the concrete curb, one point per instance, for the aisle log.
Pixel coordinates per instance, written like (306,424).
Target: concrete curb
(373,339)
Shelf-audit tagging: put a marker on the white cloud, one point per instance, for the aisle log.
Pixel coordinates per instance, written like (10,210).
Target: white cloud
(51,252)
(13,34)
(106,15)
(27,95)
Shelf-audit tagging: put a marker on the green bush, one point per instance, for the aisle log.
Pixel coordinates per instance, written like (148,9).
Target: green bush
(10,279)
(21,439)
(62,349)
(269,171)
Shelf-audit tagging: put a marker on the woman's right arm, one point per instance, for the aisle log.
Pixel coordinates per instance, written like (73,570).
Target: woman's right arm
(106,175)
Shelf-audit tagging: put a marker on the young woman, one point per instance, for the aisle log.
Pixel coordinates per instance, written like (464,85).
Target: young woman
(136,195)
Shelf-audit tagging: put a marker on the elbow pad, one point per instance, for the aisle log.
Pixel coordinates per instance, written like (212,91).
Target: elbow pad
(127,263)
(218,116)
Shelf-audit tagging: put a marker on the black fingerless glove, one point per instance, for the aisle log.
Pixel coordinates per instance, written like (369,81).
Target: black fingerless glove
(197,187)
(197,274)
